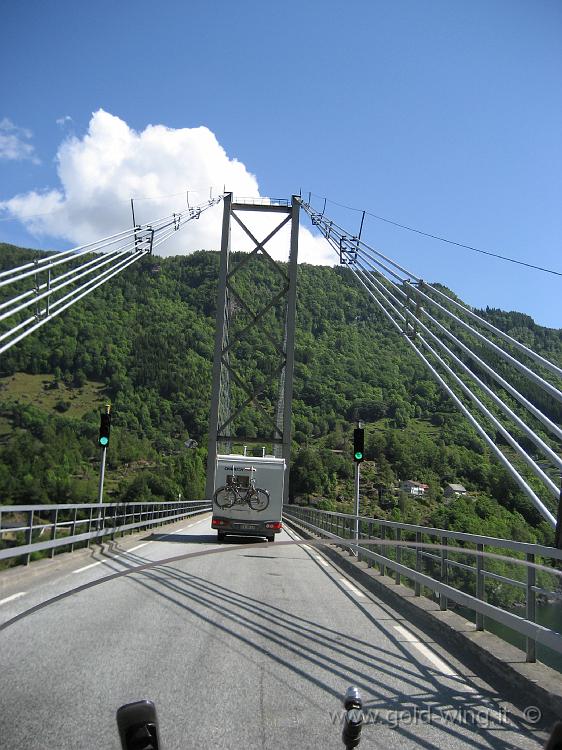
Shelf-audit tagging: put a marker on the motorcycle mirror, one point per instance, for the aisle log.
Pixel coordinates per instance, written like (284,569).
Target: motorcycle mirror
(138,726)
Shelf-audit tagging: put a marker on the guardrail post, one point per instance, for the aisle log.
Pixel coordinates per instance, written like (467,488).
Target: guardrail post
(480,584)
(382,548)
(114,521)
(398,554)
(369,547)
(531,645)
(28,537)
(419,563)
(103,523)
(89,527)
(444,573)
(73,529)
(54,530)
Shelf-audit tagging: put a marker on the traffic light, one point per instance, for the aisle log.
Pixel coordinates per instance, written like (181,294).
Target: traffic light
(105,428)
(358,444)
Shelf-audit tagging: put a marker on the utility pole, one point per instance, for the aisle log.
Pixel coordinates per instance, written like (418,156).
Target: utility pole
(103,440)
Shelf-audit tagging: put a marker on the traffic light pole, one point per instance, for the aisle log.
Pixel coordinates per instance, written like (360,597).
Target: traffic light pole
(100,488)
(102,475)
(357,479)
(358,455)
(103,441)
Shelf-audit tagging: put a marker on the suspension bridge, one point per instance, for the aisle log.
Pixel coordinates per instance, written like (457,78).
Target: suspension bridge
(305,617)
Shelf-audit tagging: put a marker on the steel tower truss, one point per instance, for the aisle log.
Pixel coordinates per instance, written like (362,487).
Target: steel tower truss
(247,376)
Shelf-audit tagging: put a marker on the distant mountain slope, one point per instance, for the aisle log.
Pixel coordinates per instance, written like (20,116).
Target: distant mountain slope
(145,342)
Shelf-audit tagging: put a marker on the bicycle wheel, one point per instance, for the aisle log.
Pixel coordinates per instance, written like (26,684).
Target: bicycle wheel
(258,499)
(225,497)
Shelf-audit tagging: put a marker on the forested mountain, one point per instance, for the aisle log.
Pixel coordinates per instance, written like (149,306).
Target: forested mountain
(144,342)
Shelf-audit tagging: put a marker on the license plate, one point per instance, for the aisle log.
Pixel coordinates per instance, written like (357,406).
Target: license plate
(246,527)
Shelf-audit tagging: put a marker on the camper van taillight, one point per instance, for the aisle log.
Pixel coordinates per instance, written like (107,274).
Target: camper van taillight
(274,525)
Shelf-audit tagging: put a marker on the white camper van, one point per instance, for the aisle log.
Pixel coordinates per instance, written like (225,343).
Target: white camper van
(248,496)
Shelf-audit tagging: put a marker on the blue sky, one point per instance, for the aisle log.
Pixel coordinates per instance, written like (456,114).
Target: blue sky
(444,115)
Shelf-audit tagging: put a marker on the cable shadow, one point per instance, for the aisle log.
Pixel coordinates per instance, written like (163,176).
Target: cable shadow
(304,645)
(253,616)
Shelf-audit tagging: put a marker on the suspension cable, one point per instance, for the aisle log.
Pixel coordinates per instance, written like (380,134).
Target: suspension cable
(407,301)
(112,255)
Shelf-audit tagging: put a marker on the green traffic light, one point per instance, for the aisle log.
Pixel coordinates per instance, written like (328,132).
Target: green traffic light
(104,441)
(358,455)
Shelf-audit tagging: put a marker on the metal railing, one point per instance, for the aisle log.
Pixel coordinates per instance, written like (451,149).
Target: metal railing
(425,557)
(25,529)
(263,201)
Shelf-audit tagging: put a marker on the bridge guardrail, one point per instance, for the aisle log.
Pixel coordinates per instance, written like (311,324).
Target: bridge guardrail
(391,537)
(92,520)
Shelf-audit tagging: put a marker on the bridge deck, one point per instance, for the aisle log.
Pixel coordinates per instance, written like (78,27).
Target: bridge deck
(250,648)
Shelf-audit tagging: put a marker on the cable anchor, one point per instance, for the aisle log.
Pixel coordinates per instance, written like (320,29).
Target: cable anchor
(348,250)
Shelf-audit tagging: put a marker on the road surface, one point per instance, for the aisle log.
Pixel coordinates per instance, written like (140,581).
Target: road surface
(249,648)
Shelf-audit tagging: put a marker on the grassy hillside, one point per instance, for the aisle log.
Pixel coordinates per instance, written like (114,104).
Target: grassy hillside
(52,396)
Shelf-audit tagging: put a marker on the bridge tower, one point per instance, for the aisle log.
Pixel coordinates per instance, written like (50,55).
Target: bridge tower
(252,389)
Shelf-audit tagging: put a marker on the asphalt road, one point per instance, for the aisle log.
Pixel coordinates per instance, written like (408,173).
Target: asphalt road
(252,647)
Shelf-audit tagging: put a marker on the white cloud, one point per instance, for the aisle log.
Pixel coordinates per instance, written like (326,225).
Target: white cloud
(14,145)
(100,172)
(65,120)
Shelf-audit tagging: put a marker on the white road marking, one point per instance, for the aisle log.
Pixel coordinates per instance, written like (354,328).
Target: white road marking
(310,549)
(322,562)
(438,663)
(138,547)
(352,588)
(11,598)
(87,567)
(197,522)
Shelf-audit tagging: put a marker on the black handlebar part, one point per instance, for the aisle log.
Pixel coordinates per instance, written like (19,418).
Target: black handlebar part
(353,704)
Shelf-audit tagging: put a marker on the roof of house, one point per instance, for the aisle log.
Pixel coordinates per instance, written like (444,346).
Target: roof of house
(457,487)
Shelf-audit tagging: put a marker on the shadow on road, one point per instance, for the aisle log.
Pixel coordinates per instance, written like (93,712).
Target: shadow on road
(188,539)
(460,714)
(301,651)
